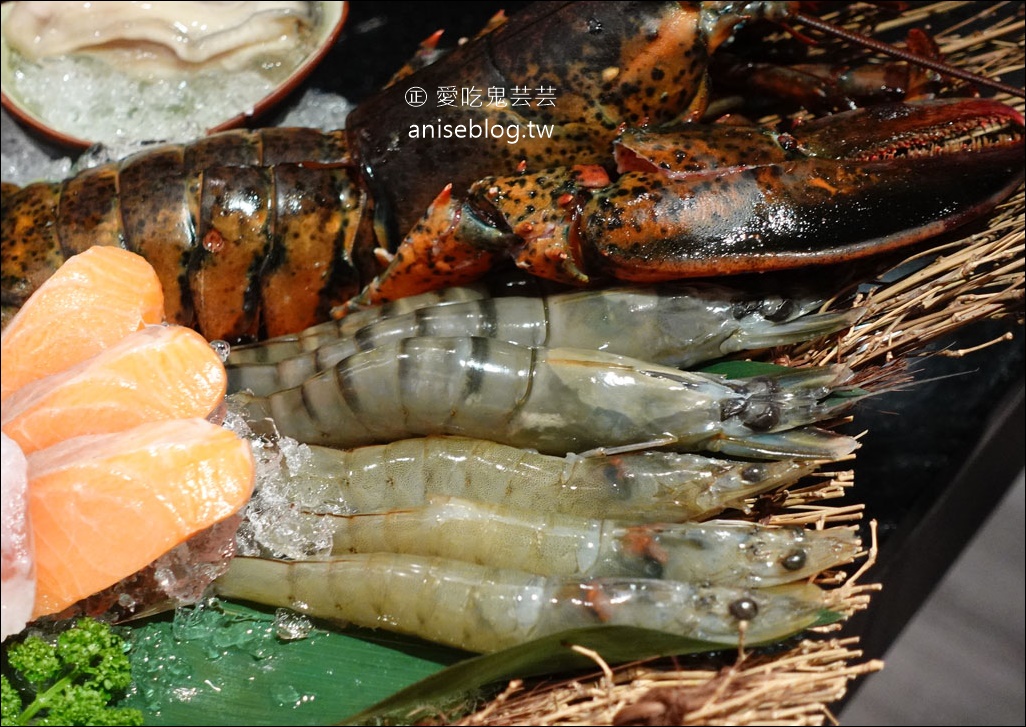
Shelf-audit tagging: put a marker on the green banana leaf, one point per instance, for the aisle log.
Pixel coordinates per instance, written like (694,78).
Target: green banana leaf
(740,369)
(545,656)
(223,663)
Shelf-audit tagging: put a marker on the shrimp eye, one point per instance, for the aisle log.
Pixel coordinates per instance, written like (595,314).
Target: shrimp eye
(744,308)
(652,568)
(778,310)
(753,473)
(744,609)
(761,415)
(795,560)
(731,408)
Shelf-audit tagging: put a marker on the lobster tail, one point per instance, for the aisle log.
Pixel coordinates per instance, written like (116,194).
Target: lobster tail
(251,233)
(31,251)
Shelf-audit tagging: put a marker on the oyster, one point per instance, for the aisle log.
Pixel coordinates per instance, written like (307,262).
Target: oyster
(124,73)
(161,37)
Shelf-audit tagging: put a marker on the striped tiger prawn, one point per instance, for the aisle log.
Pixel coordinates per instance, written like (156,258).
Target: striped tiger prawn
(555,401)
(679,326)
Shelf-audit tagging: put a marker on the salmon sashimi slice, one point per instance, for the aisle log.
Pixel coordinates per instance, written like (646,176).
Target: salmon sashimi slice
(160,372)
(91,302)
(105,506)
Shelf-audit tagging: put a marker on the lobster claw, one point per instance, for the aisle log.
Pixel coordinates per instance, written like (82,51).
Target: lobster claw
(703,200)
(844,187)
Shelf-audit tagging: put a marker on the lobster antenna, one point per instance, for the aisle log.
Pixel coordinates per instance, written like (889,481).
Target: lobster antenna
(881,47)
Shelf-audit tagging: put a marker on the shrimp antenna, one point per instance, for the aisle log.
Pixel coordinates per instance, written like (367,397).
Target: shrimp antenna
(881,47)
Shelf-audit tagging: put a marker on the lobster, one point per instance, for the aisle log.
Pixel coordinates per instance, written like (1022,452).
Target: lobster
(260,233)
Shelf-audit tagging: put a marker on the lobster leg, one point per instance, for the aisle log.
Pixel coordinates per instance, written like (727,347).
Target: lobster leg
(826,88)
(455,244)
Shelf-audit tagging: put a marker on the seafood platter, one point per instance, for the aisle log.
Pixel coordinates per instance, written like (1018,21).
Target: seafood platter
(579,364)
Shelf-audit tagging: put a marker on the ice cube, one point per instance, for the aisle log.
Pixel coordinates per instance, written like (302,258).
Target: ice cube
(18,563)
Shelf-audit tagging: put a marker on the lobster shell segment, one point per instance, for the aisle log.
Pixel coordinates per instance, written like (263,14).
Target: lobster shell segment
(251,233)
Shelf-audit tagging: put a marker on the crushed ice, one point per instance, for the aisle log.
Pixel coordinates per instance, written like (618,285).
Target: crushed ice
(23,161)
(19,555)
(184,572)
(291,626)
(222,348)
(277,519)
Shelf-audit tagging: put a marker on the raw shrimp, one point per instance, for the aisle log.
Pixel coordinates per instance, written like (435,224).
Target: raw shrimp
(272,350)
(673,325)
(482,609)
(728,552)
(648,486)
(553,400)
